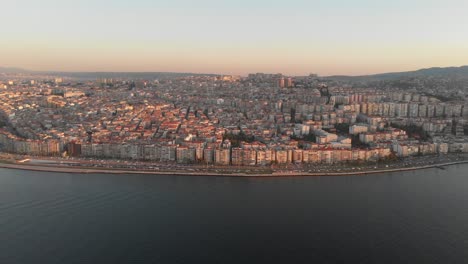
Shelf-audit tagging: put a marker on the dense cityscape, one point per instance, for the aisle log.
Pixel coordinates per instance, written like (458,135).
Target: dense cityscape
(233,132)
(262,120)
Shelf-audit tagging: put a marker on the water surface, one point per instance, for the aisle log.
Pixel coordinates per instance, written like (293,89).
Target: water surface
(407,217)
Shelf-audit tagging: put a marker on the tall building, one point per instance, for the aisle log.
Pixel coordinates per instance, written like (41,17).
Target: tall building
(222,156)
(281,82)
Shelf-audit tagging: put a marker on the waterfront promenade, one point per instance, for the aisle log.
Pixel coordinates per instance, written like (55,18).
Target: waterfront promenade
(56,167)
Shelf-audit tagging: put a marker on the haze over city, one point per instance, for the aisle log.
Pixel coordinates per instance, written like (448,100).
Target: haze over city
(242,131)
(236,37)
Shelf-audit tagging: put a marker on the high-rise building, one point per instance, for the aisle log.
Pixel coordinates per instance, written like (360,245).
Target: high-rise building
(281,82)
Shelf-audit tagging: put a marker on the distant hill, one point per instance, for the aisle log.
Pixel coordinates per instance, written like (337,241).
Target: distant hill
(12,70)
(448,72)
(95,75)
(129,75)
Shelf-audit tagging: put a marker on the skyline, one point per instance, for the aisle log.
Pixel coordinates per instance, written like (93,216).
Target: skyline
(296,38)
(13,69)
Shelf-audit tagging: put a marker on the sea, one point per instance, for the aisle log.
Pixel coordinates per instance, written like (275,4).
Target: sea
(404,217)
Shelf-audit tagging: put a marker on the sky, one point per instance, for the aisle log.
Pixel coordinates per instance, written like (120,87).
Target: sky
(293,37)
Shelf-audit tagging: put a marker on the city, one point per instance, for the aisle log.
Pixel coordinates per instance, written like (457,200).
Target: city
(233,132)
(265,122)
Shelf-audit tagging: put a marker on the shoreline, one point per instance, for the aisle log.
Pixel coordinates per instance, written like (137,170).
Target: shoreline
(62,169)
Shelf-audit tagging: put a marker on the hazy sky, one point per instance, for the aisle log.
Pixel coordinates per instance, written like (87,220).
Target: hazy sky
(234,37)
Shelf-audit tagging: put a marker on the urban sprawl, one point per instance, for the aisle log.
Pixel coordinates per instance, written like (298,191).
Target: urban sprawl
(258,120)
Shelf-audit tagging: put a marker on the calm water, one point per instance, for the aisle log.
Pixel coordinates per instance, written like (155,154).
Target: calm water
(411,217)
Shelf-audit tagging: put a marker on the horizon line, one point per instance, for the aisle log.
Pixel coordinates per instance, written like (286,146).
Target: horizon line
(219,74)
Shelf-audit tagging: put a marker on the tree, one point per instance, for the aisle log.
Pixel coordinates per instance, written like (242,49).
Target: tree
(342,128)
(293,115)
(308,138)
(237,139)
(356,142)
(338,104)
(414,131)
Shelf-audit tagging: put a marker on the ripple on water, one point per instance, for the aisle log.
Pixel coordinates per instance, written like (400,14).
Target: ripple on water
(417,216)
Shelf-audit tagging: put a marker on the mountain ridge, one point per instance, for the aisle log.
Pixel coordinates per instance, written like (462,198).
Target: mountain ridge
(461,71)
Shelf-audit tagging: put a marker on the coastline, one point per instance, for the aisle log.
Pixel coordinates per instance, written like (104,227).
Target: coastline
(62,169)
